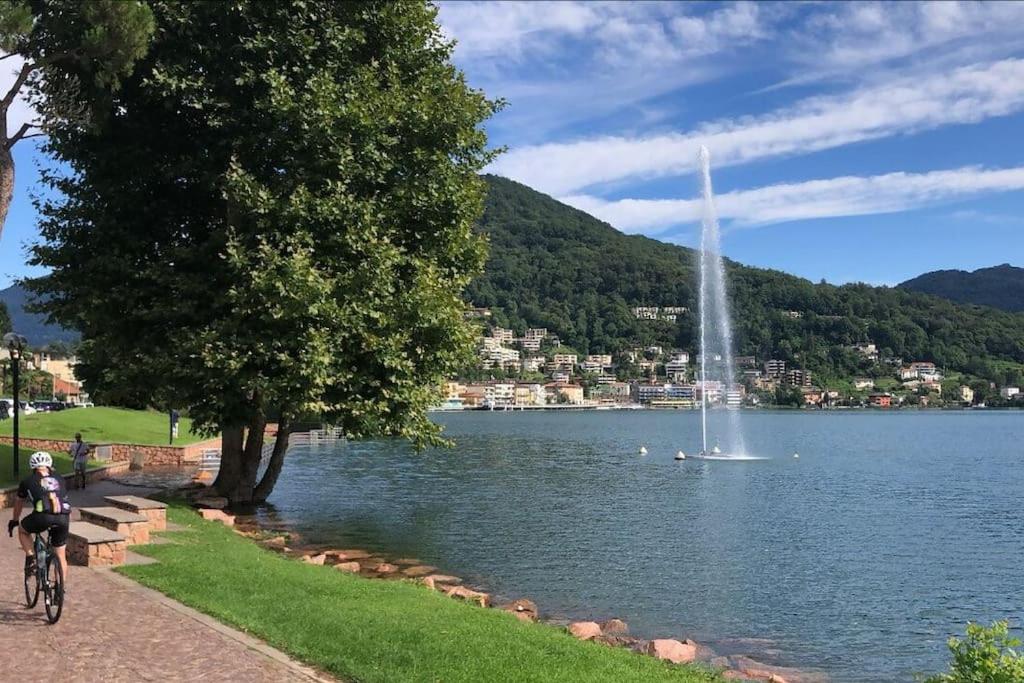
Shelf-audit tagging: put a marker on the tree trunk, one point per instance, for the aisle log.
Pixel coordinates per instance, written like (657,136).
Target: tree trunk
(269,479)
(6,184)
(240,461)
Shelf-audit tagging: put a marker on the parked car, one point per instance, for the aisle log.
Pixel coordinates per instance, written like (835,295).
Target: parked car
(48,406)
(26,409)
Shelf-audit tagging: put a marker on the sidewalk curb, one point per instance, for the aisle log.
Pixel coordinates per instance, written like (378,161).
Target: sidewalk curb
(245,639)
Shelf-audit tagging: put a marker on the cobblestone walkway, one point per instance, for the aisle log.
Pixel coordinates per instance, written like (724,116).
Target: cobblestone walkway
(111,631)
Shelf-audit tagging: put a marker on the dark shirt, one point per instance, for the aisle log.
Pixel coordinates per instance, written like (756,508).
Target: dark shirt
(46,493)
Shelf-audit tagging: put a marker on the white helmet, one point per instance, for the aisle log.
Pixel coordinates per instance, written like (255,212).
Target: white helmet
(40,459)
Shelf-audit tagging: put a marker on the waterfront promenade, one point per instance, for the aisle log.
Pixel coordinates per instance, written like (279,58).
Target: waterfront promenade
(113,629)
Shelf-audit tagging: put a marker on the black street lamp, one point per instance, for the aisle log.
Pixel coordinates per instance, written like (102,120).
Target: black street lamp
(15,344)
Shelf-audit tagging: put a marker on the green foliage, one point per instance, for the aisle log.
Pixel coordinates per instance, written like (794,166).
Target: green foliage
(375,631)
(5,320)
(273,214)
(999,286)
(986,655)
(554,266)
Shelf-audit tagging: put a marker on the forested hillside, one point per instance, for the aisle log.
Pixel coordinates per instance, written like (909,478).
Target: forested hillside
(553,266)
(999,286)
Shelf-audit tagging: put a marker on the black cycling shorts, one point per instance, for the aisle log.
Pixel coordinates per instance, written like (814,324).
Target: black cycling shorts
(38,522)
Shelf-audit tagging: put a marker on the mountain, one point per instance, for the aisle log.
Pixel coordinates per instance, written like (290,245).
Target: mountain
(999,286)
(32,325)
(554,266)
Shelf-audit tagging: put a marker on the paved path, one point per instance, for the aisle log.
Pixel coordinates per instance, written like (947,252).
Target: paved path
(114,630)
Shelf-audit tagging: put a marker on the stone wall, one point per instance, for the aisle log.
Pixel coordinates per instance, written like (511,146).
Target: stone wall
(175,456)
(92,474)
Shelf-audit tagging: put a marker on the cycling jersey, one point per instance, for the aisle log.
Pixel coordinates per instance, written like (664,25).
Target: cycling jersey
(46,493)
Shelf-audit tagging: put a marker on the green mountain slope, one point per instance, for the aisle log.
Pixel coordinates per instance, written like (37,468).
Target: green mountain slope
(999,286)
(553,266)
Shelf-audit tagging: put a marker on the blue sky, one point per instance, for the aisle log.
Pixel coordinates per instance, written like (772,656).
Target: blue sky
(849,141)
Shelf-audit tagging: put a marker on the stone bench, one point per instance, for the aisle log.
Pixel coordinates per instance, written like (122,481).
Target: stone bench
(90,545)
(134,528)
(153,510)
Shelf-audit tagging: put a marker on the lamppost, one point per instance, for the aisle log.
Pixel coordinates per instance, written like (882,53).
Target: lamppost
(15,344)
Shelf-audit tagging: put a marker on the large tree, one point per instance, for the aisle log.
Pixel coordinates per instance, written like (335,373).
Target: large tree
(273,219)
(43,39)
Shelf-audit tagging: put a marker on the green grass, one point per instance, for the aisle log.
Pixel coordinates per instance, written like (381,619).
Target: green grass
(61,462)
(369,630)
(103,425)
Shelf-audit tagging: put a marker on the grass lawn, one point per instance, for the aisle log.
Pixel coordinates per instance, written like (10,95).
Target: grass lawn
(103,425)
(61,462)
(369,630)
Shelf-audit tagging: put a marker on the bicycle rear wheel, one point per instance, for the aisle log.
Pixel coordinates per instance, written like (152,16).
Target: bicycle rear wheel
(54,589)
(31,588)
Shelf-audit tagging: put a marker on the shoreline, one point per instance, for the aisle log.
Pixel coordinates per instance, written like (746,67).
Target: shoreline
(281,538)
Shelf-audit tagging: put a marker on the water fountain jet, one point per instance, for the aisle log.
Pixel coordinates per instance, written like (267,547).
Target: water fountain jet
(716,338)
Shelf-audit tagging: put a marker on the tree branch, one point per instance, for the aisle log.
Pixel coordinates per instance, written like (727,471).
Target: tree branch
(22,134)
(8,56)
(17,136)
(26,69)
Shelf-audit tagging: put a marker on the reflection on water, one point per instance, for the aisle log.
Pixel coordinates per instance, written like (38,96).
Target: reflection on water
(860,557)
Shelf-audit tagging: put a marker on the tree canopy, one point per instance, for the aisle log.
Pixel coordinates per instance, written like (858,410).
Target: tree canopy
(272,217)
(54,41)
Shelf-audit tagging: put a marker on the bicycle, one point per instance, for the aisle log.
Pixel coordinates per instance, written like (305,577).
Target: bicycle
(48,575)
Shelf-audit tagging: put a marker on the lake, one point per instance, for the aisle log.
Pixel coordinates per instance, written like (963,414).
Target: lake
(859,558)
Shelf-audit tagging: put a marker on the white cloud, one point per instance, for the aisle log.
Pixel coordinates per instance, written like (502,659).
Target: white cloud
(848,35)
(616,32)
(845,196)
(902,106)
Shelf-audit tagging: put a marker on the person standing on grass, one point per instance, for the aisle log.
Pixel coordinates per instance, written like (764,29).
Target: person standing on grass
(79,457)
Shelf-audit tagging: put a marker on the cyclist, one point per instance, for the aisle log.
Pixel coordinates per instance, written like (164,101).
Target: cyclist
(45,490)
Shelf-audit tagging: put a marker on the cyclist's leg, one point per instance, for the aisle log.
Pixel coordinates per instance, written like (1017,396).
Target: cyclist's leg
(59,541)
(25,535)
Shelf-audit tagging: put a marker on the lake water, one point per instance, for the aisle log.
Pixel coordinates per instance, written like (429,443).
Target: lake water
(859,558)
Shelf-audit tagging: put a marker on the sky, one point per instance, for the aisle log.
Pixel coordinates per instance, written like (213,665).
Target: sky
(849,141)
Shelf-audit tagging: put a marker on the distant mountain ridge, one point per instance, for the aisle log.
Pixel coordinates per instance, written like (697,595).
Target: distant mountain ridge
(999,286)
(32,325)
(554,266)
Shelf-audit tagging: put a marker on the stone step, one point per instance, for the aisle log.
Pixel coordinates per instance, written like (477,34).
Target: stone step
(90,545)
(153,510)
(134,527)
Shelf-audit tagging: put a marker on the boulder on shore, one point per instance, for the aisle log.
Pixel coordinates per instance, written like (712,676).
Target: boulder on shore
(210,500)
(352,567)
(349,555)
(385,568)
(671,650)
(315,559)
(525,610)
(482,599)
(417,571)
(217,516)
(585,630)
(615,627)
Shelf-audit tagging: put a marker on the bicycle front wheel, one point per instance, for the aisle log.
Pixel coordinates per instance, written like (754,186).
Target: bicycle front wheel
(54,589)
(31,588)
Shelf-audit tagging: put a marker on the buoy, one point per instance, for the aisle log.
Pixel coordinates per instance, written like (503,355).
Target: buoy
(796,455)
(680,455)
(643,450)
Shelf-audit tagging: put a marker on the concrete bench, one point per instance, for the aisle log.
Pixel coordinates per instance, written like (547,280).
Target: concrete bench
(134,527)
(153,510)
(95,546)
